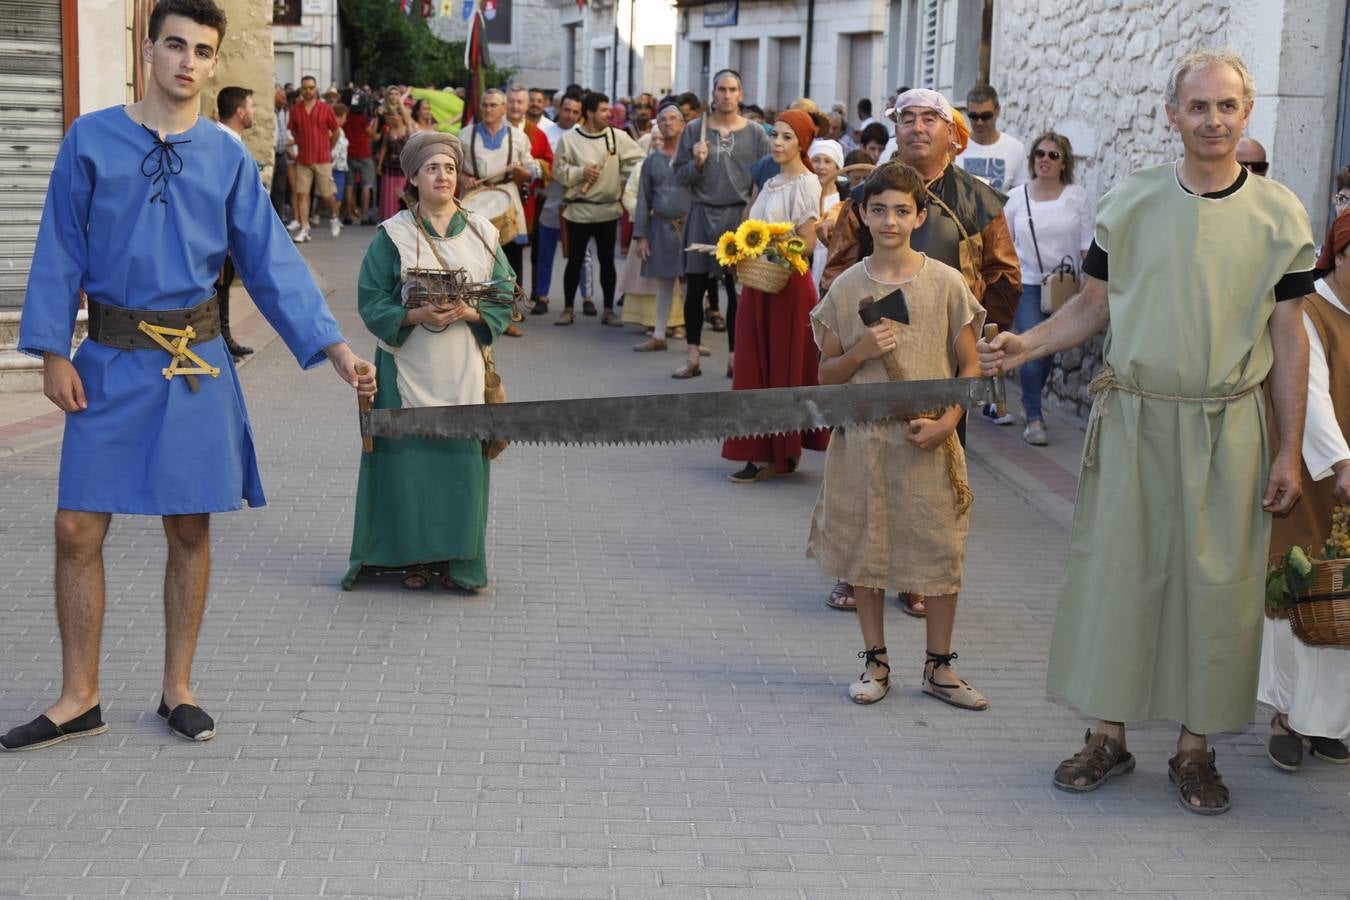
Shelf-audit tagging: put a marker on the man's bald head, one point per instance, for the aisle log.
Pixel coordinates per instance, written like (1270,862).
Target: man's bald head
(1252,156)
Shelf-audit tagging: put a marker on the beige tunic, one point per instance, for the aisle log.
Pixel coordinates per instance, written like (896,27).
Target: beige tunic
(887,516)
(442,368)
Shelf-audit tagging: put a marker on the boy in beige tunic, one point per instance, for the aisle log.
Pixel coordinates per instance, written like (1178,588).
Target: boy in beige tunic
(1161,611)
(893,511)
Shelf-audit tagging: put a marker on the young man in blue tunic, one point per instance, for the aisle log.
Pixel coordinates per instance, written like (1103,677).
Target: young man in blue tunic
(144,202)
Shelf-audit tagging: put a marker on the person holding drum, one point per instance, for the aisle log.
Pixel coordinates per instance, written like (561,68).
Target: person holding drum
(497,161)
(592,162)
(421,503)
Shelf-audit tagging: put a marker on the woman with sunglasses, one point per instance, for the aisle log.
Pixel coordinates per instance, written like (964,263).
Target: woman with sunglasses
(1050,218)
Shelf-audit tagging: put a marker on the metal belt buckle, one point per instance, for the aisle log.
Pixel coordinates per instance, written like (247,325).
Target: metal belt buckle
(180,352)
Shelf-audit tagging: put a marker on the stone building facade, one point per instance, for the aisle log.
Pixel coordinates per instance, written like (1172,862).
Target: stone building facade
(619,47)
(834,51)
(1096,70)
(527,39)
(308,43)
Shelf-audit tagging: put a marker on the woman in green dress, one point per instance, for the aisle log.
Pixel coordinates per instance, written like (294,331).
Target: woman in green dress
(421,503)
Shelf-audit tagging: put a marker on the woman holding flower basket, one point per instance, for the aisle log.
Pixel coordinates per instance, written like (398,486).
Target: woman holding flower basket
(772,254)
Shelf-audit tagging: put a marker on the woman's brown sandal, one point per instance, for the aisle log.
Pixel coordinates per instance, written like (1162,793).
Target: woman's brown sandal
(841,597)
(1197,779)
(417,578)
(912,605)
(1102,757)
(960,695)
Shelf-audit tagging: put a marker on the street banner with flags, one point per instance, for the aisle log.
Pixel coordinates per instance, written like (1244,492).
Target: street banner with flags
(467,12)
(475,57)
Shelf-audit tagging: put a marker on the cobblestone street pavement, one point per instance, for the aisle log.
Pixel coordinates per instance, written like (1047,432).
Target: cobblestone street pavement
(648,702)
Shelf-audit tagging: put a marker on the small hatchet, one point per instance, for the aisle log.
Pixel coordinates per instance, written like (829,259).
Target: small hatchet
(894,308)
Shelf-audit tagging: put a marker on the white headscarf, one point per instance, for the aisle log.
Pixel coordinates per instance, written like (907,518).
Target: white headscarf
(825,147)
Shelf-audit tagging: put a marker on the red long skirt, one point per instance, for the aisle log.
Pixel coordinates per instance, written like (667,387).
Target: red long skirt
(774,348)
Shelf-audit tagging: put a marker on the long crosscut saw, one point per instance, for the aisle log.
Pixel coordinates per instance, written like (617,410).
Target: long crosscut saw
(676,418)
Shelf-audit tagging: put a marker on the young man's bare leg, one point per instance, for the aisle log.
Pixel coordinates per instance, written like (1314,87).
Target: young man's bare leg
(185,578)
(79,608)
(302,209)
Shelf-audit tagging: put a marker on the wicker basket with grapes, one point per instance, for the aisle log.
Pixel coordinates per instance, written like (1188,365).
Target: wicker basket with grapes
(1311,590)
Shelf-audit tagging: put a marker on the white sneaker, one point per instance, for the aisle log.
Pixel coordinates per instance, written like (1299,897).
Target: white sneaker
(990,412)
(335,226)
(1034,434)
(293,225)
(301,236)
(314,219)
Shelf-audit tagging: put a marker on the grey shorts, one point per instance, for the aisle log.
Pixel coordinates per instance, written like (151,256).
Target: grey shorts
(362,170)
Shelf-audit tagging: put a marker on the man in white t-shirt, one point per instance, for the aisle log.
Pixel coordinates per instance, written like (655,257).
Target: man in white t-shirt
(997,157)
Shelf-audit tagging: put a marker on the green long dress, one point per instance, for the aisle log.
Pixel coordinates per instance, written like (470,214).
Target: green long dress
(1161,611)
(419,501)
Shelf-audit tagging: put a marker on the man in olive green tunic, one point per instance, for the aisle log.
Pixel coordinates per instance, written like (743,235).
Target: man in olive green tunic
(1161,611)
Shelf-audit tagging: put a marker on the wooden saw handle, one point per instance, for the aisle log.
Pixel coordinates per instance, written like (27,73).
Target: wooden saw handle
(363,405)
(991,332)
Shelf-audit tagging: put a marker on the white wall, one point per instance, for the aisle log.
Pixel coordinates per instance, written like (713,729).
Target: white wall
(105,69)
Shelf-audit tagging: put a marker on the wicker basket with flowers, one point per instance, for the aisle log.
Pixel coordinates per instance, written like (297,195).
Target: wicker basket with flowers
(765,254)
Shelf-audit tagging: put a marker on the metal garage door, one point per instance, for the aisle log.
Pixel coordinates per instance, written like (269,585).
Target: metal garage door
(31,127)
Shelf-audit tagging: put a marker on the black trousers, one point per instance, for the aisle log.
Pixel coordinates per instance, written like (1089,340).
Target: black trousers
(578,234)
(729,284)
(280,184)
(223,294)
(695,287)
(515,255)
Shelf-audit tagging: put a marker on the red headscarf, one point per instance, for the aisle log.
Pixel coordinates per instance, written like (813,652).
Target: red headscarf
(1338,237)
(805,130)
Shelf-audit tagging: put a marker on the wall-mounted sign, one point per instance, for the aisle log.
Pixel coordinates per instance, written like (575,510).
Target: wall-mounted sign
(717,15)
(315,7)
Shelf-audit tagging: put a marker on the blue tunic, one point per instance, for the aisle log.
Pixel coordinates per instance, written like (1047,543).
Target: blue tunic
(144,225)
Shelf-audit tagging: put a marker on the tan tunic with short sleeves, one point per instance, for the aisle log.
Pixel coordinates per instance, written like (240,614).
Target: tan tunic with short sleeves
(887,513)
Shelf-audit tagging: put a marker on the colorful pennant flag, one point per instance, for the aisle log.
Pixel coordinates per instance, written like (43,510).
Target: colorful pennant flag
(467,12)
(489,9)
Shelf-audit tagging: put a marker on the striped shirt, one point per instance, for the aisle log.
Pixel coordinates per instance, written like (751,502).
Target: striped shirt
(311,128)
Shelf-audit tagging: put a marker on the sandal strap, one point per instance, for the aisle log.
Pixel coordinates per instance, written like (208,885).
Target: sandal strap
(939,660)
(1199,778)
(1100,753)
(871,658)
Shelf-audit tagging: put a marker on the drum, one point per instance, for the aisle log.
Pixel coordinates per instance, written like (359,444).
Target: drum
(493,202)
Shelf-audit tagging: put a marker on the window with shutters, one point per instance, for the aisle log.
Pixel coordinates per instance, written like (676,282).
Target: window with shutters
(929,41)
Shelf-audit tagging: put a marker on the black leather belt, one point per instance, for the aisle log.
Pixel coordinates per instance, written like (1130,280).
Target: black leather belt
(115,326)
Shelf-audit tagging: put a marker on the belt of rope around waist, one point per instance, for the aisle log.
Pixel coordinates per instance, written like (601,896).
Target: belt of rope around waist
(1106,381)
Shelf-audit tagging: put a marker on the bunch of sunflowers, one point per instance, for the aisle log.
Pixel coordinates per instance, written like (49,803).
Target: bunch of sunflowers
(775,241)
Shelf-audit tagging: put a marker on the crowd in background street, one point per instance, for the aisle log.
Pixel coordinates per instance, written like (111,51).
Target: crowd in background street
(661,182)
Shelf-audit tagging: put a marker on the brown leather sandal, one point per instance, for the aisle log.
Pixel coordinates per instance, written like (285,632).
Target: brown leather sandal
(1101,758)
(841,597)
(1197,779)
(417,578)
(912,605)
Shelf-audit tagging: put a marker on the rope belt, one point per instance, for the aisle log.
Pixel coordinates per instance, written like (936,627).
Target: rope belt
(1105,382)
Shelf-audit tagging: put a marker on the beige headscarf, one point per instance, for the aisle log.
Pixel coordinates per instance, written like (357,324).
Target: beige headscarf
(426,144)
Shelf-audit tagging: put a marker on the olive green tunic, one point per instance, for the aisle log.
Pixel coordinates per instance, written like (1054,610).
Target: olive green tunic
(1161,611)
(419,500)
